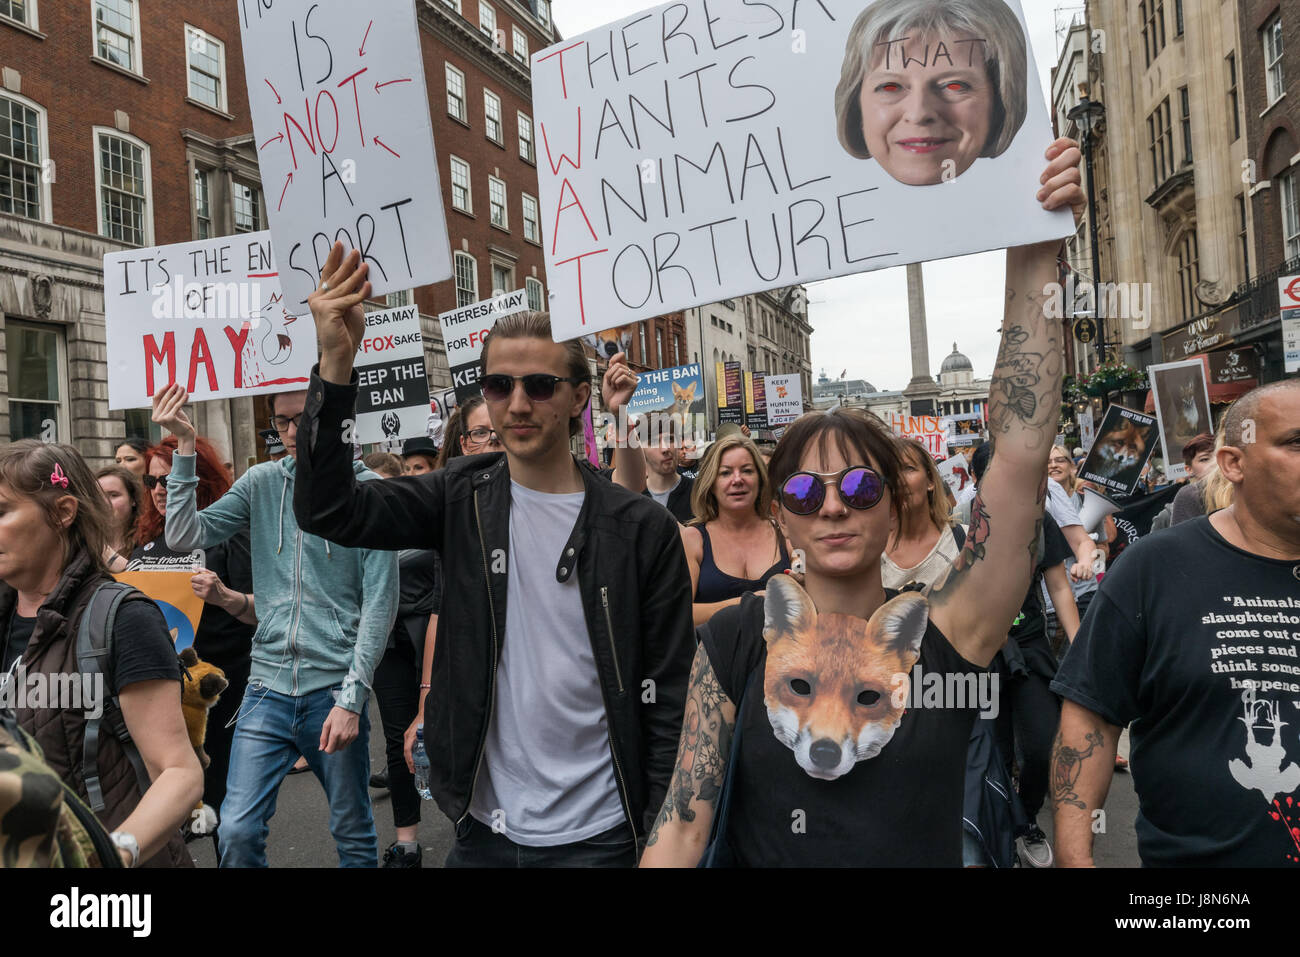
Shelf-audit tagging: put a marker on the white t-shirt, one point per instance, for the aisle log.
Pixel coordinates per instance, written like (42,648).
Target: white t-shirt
(547,776)
(662,497)
(930,568)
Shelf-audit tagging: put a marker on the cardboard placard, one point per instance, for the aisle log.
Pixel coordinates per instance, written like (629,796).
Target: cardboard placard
(393,387)
(1124,443)
(171,591)
(675,394)
(344,142)
(784,398)
(464,330)
(931,431)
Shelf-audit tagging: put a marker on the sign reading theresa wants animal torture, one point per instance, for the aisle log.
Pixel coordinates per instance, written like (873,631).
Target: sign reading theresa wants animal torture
(339,107)
(1124,443)
(464,331)
(393,391)
(207,314)
(706,149)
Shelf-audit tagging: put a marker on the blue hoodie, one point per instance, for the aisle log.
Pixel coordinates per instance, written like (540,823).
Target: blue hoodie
(324,612)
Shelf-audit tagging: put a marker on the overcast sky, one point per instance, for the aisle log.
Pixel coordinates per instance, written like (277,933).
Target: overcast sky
(963,296)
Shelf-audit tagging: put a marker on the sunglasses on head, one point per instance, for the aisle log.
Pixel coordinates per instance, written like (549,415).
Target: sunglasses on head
(155,481)
(804,493)
(539,387)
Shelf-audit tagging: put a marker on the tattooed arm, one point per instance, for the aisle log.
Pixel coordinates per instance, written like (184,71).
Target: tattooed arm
(976,601)
(1083,763)
(681,832)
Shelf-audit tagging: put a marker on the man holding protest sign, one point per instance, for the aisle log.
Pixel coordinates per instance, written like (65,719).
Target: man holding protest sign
(324,617)
(564,642)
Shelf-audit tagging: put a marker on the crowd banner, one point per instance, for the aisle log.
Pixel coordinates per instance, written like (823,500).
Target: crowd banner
(1124,443)
(1289,297)
(755,401)
(207,314)
(931,431)
(344,141)
(393,387)
(170,589)
(731,394)
(665,395)
(464,330)
(706,149)
(784,398)
(1182,400)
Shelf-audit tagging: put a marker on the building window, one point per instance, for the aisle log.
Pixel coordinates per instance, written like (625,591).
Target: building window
(206,59)
(492,116)
(15,10)
(544,12)
(503,279)
(1189,273)
(677,349)
(36,383)
(117,33)
(1161,135)
(1290,214)
(466,280)
(456,94)
(202,204)
(395,300)
(22,187)
(520,45)
(139,425)
(1273,78)
(536,295)
(532,221)
(1234,105)
(122,178)
(497,202)
(1152,14)
(1243,239)
(454,4)
(645,349)
(1178,18)
(248,208)
(461,197)
(487,20)
(526,138)
(1185,106)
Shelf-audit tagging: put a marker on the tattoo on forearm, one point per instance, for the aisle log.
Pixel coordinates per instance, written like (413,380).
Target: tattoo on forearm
(1028,370)
(702,751)
(1067,764)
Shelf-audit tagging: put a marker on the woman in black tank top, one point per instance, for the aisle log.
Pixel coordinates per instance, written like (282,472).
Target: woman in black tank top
(732,546)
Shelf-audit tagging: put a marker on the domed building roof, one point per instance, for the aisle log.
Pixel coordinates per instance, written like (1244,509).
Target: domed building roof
(956,362)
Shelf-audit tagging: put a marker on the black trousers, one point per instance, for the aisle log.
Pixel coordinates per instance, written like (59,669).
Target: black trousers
(397,688)
(480,846)
(1027,719)
(219,737)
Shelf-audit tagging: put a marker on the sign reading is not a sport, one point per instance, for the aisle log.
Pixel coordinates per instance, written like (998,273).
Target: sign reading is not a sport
(208,314)
(341,116)
(701,151)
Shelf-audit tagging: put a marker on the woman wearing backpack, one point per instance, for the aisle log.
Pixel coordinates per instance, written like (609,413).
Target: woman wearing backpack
(54,525)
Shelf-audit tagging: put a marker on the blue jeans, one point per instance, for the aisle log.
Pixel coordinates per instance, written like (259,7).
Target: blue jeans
(272,730)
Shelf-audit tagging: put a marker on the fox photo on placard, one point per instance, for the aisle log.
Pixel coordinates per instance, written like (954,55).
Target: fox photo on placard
(1124,443)
(1182,400)
(670,398)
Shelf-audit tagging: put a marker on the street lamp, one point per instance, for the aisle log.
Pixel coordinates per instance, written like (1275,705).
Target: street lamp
(1087,116)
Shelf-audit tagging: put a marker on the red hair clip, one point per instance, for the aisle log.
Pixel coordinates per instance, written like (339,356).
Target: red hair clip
(57,477)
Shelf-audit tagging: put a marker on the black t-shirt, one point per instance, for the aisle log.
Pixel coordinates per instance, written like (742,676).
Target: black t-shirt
(1032,620)
(20,633)
(222,639)
(1168,643)
(901,808)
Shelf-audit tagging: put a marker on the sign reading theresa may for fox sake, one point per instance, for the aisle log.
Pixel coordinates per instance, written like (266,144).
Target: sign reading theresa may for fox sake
(207,314)
(464,331)
(393,391)
(706,149)
(341,116)
(1124,443)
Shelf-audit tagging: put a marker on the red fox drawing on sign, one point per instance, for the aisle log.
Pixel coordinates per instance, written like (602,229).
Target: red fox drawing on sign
(836,686)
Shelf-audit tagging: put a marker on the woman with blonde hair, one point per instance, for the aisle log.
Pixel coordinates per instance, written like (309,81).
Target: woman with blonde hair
(923,543)
(1210,493)
(732,545)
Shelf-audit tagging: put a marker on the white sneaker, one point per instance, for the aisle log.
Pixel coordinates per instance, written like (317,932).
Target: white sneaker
(1033,849)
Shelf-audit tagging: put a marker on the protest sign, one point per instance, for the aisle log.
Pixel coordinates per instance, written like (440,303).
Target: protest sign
(170,589)
(755,401)
(1124,443)
(207,314)
(1086,431)
(464,331)
(610,342)
(731,394)
(1182,403)
(931,431)
(956,473)
(784,398)
(706,149)
(344,142)
(393,388)
(671,398)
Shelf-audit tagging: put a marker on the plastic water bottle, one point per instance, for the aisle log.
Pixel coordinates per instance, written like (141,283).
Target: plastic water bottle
(421,761)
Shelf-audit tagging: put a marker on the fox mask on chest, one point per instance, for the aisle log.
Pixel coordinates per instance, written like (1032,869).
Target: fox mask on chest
(836,686)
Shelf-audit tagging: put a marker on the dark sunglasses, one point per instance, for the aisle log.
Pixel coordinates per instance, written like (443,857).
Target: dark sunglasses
(155,481)
(805,492)
(539,387)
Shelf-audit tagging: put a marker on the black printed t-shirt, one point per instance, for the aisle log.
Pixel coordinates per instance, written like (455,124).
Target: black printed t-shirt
(1168,643)
(1032,620)
(902,808)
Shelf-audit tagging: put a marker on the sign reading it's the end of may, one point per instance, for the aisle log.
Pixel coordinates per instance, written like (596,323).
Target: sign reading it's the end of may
(340,112)
(706,149)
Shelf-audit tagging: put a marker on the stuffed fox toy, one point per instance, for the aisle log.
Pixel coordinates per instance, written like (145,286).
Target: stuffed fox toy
(203,686)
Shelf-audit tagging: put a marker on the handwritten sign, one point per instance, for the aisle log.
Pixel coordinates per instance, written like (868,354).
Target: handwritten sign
(393,391)
(706,149)
(464,331)
(341,118)
(955,471)
(784,398)
(931,431)
(207,314)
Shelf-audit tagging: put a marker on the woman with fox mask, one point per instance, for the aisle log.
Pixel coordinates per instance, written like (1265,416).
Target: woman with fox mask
(836,679)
